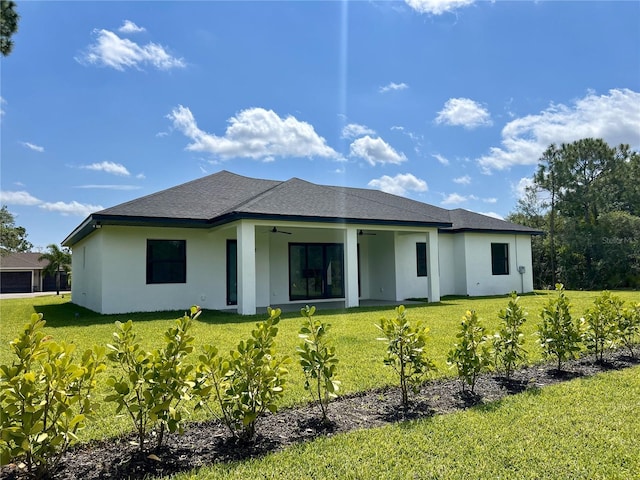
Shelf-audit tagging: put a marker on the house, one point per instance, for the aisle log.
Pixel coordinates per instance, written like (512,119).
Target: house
(229,241)
(23,273)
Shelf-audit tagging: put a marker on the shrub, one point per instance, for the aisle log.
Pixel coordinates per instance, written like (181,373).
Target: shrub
(602,321)
(246,383)
(559,335)
(152,385)
(508,343)
(45,398)
(471,354)
(628,328)
(318,360)
(406,351)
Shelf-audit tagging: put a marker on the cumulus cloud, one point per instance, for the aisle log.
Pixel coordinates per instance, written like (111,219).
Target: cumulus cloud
(375,151)
(456,199)
(2,103)
(353,130)
(18,198)
(129,27)
(613,117)
(34,147)
(110,187)
(25,198)
(443,160)
(492,214)
(108,167)
(464,112)
(519,189)
(254,133)
(437,7)
(109,50)
(490,200)
(71,208)
(464,180)
(400,184)
(390,87)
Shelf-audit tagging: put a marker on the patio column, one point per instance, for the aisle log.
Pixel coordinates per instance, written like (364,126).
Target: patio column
(351,297)
(433,268)
(246,237)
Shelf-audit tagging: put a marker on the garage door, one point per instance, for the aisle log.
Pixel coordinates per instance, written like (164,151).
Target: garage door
(15,282)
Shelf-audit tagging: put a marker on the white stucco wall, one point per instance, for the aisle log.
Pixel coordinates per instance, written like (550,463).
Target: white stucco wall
(410,285)
(86,268)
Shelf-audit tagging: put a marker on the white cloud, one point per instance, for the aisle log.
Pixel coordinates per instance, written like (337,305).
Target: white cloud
(254,133)
(110,187)
(437,7)
(31,146)
(375,150)
(456,199)
(108,167)
(614,117)
(519,189)
(353,130)
(129,27)
(393,87)
(18,198)
(492,214)
(71,208)
(464,112)
(110,50)
(443,160)
(2,103)
(400,184)
(490,200)
(464,180)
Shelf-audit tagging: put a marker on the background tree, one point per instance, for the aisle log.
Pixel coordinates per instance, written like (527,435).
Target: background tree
(12,238)
(59,261)
(8,26)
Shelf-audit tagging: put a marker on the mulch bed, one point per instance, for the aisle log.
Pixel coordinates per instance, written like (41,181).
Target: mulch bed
(206,443)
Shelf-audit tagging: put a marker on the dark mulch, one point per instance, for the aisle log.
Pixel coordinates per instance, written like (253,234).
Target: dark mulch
(207,443)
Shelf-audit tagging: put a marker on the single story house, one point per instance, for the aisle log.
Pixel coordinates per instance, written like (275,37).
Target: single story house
(23,273)
(227,241)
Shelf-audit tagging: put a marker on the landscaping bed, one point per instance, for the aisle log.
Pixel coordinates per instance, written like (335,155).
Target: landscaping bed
(207,443)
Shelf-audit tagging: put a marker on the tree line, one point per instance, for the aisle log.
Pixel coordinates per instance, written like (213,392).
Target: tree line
(585,197)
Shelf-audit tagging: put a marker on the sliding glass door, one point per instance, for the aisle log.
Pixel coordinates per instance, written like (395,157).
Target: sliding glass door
(316,270)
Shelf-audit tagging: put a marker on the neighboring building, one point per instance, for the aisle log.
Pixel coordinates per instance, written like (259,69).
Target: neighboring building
(23,273)
(228,241)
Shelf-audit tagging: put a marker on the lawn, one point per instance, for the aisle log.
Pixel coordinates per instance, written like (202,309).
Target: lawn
(354,333)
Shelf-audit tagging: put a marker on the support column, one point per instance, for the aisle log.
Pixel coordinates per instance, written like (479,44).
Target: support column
(246,235)
(433,266)
(351,298)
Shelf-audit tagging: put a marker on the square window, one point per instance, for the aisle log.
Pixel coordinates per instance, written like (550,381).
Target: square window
(421,258)
(500,258)
(166,261)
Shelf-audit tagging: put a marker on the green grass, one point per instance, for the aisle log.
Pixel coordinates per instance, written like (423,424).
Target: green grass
(583,429)
(359,352)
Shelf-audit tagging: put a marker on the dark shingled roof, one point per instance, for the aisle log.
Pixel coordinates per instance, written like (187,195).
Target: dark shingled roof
(225,196)
(23,260)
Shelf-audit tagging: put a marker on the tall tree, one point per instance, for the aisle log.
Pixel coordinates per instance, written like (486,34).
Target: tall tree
(8,25)
(59,261)
(12,238)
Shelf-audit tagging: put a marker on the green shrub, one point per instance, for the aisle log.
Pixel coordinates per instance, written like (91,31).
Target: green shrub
(470,355)
(602,321)
(45,398)
(559,335)
(318,360)
(153,385)
(406,351)
(508,350)
(246,383)
(628,328)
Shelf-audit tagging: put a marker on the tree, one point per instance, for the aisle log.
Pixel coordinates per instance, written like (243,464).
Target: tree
(8,26)
(13,239)
(59,260)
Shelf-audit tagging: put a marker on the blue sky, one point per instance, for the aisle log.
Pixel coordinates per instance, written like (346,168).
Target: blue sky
(446,102)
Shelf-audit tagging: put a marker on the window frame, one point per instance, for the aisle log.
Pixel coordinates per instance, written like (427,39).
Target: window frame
(422,269)
(502,262)
(153,277)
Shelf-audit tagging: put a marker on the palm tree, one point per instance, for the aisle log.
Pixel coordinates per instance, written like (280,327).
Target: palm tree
(59,260)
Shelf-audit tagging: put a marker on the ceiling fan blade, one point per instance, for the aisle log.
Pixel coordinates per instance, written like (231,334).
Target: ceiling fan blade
(361,232)
(275,230)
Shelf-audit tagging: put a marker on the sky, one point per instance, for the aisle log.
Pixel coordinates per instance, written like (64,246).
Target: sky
(448,102)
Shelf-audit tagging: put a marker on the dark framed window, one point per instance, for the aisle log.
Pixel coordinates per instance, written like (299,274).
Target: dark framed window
(166,261)
(316,270)
(500,258)
(421,258)
(232,272)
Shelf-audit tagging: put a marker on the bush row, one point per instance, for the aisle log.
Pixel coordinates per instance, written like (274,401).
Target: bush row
(47,394)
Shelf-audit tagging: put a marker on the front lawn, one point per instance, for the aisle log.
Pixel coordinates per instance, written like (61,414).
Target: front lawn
(359,352)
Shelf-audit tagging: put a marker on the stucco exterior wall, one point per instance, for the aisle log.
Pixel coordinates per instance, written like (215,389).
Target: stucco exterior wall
(86,268)
(410,285)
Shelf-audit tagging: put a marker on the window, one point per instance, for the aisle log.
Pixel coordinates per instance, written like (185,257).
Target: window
(500,258)
(316,270)
(166,261)
(421,258)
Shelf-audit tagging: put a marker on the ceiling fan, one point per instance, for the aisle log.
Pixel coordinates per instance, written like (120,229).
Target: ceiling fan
(275,230)
(362,232)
